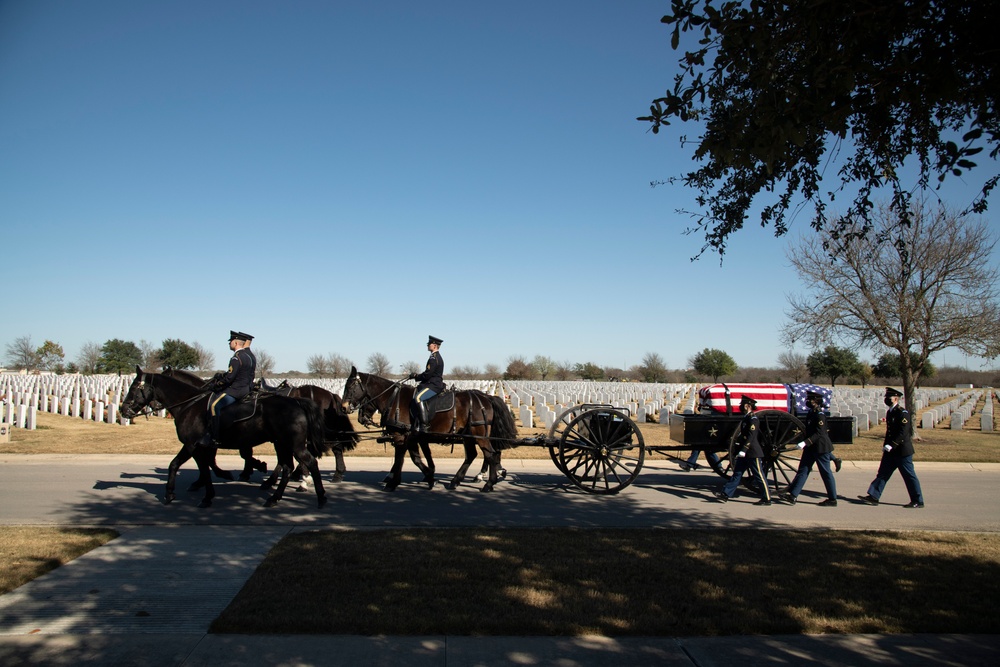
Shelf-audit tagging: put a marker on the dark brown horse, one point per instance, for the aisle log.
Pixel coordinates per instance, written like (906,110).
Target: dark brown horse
(339,429)
(295,426)
(471,417)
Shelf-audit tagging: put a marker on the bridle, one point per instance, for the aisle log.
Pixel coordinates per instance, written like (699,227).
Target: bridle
(145,379)
(368,404)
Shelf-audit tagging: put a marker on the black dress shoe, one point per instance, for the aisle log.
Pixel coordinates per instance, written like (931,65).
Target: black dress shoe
(829,502)
(868,500)
(687,467)
(837,462)
(787,498)
(763,501)
(912,505)
(721,496)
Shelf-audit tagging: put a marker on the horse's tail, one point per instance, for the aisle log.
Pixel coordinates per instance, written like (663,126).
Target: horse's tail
(503,432)
(339,428)
(316,443)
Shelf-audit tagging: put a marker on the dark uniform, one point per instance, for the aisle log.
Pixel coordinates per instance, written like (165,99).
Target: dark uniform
(748,443)
(231,386)
(431,384)
(816,448)
(897,453)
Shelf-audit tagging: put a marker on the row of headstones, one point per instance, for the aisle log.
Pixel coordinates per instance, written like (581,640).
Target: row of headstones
(986,419)
(868,408)
(959,410)
(91,397)
(642,400)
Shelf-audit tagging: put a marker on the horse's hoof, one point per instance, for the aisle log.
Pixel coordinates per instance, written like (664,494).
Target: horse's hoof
(169,499)
(501,473)
(260,466)
(451,486)
(388,478)
(194,487)
(225,474)
(205,503)
(270,502)
(430,484)
(487,488)
(321,501)
(389,487)
(337,477)
(302,488)
(244,477)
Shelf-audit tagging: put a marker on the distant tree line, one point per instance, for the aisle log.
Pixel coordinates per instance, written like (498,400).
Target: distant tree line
(831,365)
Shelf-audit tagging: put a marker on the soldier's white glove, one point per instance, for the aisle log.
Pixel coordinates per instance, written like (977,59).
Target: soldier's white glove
(887,448)
(741,454)
(801,445)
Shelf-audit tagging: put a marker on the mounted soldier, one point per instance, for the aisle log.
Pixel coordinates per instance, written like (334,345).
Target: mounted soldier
(431,384)
(231,386)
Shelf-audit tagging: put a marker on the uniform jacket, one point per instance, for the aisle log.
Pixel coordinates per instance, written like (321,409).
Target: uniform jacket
(238,380)
(897,431)
(433,376)
(816,433)
(748,439)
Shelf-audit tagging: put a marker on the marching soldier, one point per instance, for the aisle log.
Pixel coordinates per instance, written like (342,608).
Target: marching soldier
(897,452)
(749,455)
(816,448)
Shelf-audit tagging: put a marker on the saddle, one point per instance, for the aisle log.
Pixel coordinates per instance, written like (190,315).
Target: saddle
(443,402)
(239,411)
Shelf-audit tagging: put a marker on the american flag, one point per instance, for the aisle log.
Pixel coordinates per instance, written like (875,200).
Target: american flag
(799,392)
(768,396)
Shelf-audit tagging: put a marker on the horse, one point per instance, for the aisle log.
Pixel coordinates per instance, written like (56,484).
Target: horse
(339,430)
(469,416)
(249,462)
(295,426)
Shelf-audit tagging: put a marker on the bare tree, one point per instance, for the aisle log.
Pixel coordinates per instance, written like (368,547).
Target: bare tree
(652,368)
(931,288)
(378,364)
(340,366)
(492,372)
(21,354)
(206,359)
(150,355)
(543,366)
(409,367)
(265,363)
(317,364)
(793,364)
(89,359)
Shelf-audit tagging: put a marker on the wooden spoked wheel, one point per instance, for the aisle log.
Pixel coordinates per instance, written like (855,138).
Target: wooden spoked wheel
(601,450)
(779,434)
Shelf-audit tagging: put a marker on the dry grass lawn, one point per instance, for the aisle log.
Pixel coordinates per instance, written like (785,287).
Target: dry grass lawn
(27,552)
(621,582)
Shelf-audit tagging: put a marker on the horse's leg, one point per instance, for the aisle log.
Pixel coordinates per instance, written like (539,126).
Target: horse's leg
(182,457)
(341,465)
(414,442)
(470,456)
(492,457)
(249,464)
(308,462)
(219,472)
(396,473)
(284,469)
(205,471)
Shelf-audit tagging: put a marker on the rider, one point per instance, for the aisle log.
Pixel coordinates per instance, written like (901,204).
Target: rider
(431,384)
(231,386)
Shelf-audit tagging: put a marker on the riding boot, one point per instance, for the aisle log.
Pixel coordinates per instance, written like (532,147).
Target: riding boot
(210,438)
(416,416)
(425,416)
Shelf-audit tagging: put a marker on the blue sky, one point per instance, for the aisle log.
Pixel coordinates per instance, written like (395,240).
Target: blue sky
(349,177)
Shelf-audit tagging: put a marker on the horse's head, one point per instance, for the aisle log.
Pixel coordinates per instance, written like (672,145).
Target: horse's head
(354,391)
(140,395)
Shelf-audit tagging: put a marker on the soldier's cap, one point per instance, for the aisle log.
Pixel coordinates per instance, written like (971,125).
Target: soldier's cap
(814,396)
(746,399)
(890,392)
(433,339)
(239,335)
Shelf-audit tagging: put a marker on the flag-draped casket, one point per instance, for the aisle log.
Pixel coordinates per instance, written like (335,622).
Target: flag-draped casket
(725,398)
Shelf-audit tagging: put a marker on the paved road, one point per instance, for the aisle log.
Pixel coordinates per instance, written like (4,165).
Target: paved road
(101,609)
(127,490)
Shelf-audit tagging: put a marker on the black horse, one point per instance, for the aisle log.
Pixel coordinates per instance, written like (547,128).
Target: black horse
(471,417)
(295,426)
(250,463)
